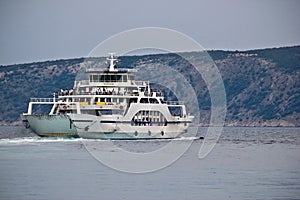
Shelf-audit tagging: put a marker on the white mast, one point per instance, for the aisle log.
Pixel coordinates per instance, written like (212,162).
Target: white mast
(112,62)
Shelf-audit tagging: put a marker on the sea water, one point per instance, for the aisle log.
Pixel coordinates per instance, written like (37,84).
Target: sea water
(246,163)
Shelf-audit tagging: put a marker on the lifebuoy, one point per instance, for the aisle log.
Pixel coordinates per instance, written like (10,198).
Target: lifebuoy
(65,107)
(121,107)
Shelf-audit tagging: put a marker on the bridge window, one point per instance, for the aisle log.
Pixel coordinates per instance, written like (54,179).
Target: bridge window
(109,78)
(94,78)
(101,79)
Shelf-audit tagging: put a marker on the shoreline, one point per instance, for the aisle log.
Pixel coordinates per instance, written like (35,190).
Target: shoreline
(205,123)
(242,126)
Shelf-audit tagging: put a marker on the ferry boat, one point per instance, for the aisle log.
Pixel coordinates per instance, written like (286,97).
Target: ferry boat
(110,104)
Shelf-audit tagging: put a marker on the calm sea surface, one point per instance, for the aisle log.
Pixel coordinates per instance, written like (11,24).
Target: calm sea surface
(246,163)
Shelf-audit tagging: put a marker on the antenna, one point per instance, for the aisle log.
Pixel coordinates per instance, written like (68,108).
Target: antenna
(112,62)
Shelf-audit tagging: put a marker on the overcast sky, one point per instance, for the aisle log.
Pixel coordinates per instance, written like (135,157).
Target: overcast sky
(38,30)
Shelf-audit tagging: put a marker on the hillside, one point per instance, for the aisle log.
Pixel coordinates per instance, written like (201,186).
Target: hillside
(262,86)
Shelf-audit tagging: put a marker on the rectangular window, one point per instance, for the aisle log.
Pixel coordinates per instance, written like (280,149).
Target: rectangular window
(144,100)
(95,78)
(124,78)
(102,78)
(118,78)
(152,100)
(113,78)
(107,78)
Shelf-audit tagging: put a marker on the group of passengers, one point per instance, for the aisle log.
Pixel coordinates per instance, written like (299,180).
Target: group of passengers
(104,91)
(158,93)
(66,92)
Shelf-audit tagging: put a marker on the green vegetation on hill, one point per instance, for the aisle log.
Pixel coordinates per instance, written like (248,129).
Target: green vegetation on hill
(262,86)
(286,58)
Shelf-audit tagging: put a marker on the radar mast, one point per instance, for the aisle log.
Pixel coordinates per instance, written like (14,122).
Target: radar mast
(112,62)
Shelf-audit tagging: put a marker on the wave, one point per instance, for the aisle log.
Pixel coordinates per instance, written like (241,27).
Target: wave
(36,139)
(28,140)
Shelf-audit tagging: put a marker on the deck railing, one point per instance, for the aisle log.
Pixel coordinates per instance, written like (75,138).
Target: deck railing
(42,100)
(174,102)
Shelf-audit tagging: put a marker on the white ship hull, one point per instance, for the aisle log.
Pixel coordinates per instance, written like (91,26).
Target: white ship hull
(95,127)
(50,125)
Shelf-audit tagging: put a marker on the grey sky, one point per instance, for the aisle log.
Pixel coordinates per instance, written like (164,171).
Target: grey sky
(37,30)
